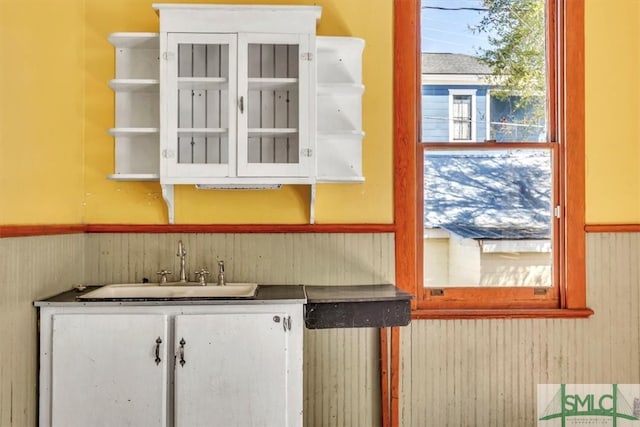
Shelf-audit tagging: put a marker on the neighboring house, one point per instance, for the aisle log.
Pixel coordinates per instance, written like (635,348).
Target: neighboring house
(487,212)
(458,106)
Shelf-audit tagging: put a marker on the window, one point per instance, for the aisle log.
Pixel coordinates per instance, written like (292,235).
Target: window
(490,221)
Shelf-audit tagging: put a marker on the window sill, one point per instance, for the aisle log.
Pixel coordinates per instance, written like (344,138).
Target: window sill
(524,313)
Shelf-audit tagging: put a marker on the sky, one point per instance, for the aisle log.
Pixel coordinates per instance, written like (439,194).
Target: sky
(446,31)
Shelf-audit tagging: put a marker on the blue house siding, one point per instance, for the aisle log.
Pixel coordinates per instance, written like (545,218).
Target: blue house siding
(435,111)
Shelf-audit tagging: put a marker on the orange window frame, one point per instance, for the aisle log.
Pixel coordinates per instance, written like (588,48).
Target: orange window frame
(568,297)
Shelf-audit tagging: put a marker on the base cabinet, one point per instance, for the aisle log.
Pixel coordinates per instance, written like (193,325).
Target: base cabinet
(103,370)
(217,365)
(232,369)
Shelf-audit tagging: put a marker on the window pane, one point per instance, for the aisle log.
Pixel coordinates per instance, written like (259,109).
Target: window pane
(497,49)
(487,218)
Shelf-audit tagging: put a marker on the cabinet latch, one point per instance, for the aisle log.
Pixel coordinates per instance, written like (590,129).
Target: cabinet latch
(306,56)
(168,154)
(306,152)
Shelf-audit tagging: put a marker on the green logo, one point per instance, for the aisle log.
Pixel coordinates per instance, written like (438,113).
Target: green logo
(585,403)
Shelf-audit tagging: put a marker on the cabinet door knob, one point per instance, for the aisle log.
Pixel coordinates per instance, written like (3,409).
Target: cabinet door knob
(241,104)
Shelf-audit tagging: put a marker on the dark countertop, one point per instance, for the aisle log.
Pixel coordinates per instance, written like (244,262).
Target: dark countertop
(325,306)
(355,293)
(361,306)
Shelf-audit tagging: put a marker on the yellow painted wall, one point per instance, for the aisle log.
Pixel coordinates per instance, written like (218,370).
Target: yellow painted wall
(41,111)
(55,107)
(612,32)
(371,202)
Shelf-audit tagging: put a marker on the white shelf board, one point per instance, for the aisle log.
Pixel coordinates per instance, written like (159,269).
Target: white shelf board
(134,177)
(201,132)
(135,40)
(339,43)
(132,131)
(340,89)
(339,179)
(273,83)
(331,134)
(202,83)
(134,85)
(272,132)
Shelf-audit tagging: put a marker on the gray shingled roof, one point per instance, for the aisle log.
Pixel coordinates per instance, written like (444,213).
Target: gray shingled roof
(452,63)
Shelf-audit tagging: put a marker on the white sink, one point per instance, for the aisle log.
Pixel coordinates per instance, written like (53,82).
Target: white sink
(172,291)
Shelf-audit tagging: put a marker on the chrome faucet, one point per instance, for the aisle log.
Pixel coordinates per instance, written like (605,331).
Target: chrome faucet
(182,254)
(201,275)
(163,276)
(221,281)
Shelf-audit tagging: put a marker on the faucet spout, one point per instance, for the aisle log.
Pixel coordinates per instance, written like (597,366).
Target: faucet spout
(221,281)
(182,253)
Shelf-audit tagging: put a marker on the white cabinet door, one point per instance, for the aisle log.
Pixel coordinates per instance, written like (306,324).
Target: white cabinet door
(236,106)
(274,80)
(109,370)
(200,102)
(232,370)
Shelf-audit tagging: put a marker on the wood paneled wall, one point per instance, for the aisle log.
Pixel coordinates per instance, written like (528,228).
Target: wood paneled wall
(31,268)
(454,372)
(485,372)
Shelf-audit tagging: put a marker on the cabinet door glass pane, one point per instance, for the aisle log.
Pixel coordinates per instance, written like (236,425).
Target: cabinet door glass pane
(272,104)
(203,98)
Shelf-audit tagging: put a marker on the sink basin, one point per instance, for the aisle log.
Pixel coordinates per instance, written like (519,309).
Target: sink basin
(172,291)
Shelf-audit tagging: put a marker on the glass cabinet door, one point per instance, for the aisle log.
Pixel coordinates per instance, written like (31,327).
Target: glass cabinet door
(201,102)
(273,123)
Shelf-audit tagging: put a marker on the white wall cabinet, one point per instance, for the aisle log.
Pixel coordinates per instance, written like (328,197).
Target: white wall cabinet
(237,96)
(217,365)
(233,109)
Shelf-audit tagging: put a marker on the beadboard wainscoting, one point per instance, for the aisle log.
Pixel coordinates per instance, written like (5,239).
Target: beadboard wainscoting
(485,372)
(270,258)
(32,268)
(453,372)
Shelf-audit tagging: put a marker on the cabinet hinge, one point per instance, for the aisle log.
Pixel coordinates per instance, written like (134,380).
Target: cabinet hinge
(306,152)
(168,154)
(307,56)
(167,55)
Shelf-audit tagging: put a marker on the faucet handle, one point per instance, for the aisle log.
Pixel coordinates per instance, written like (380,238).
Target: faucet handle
(163,276)
(202,276)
